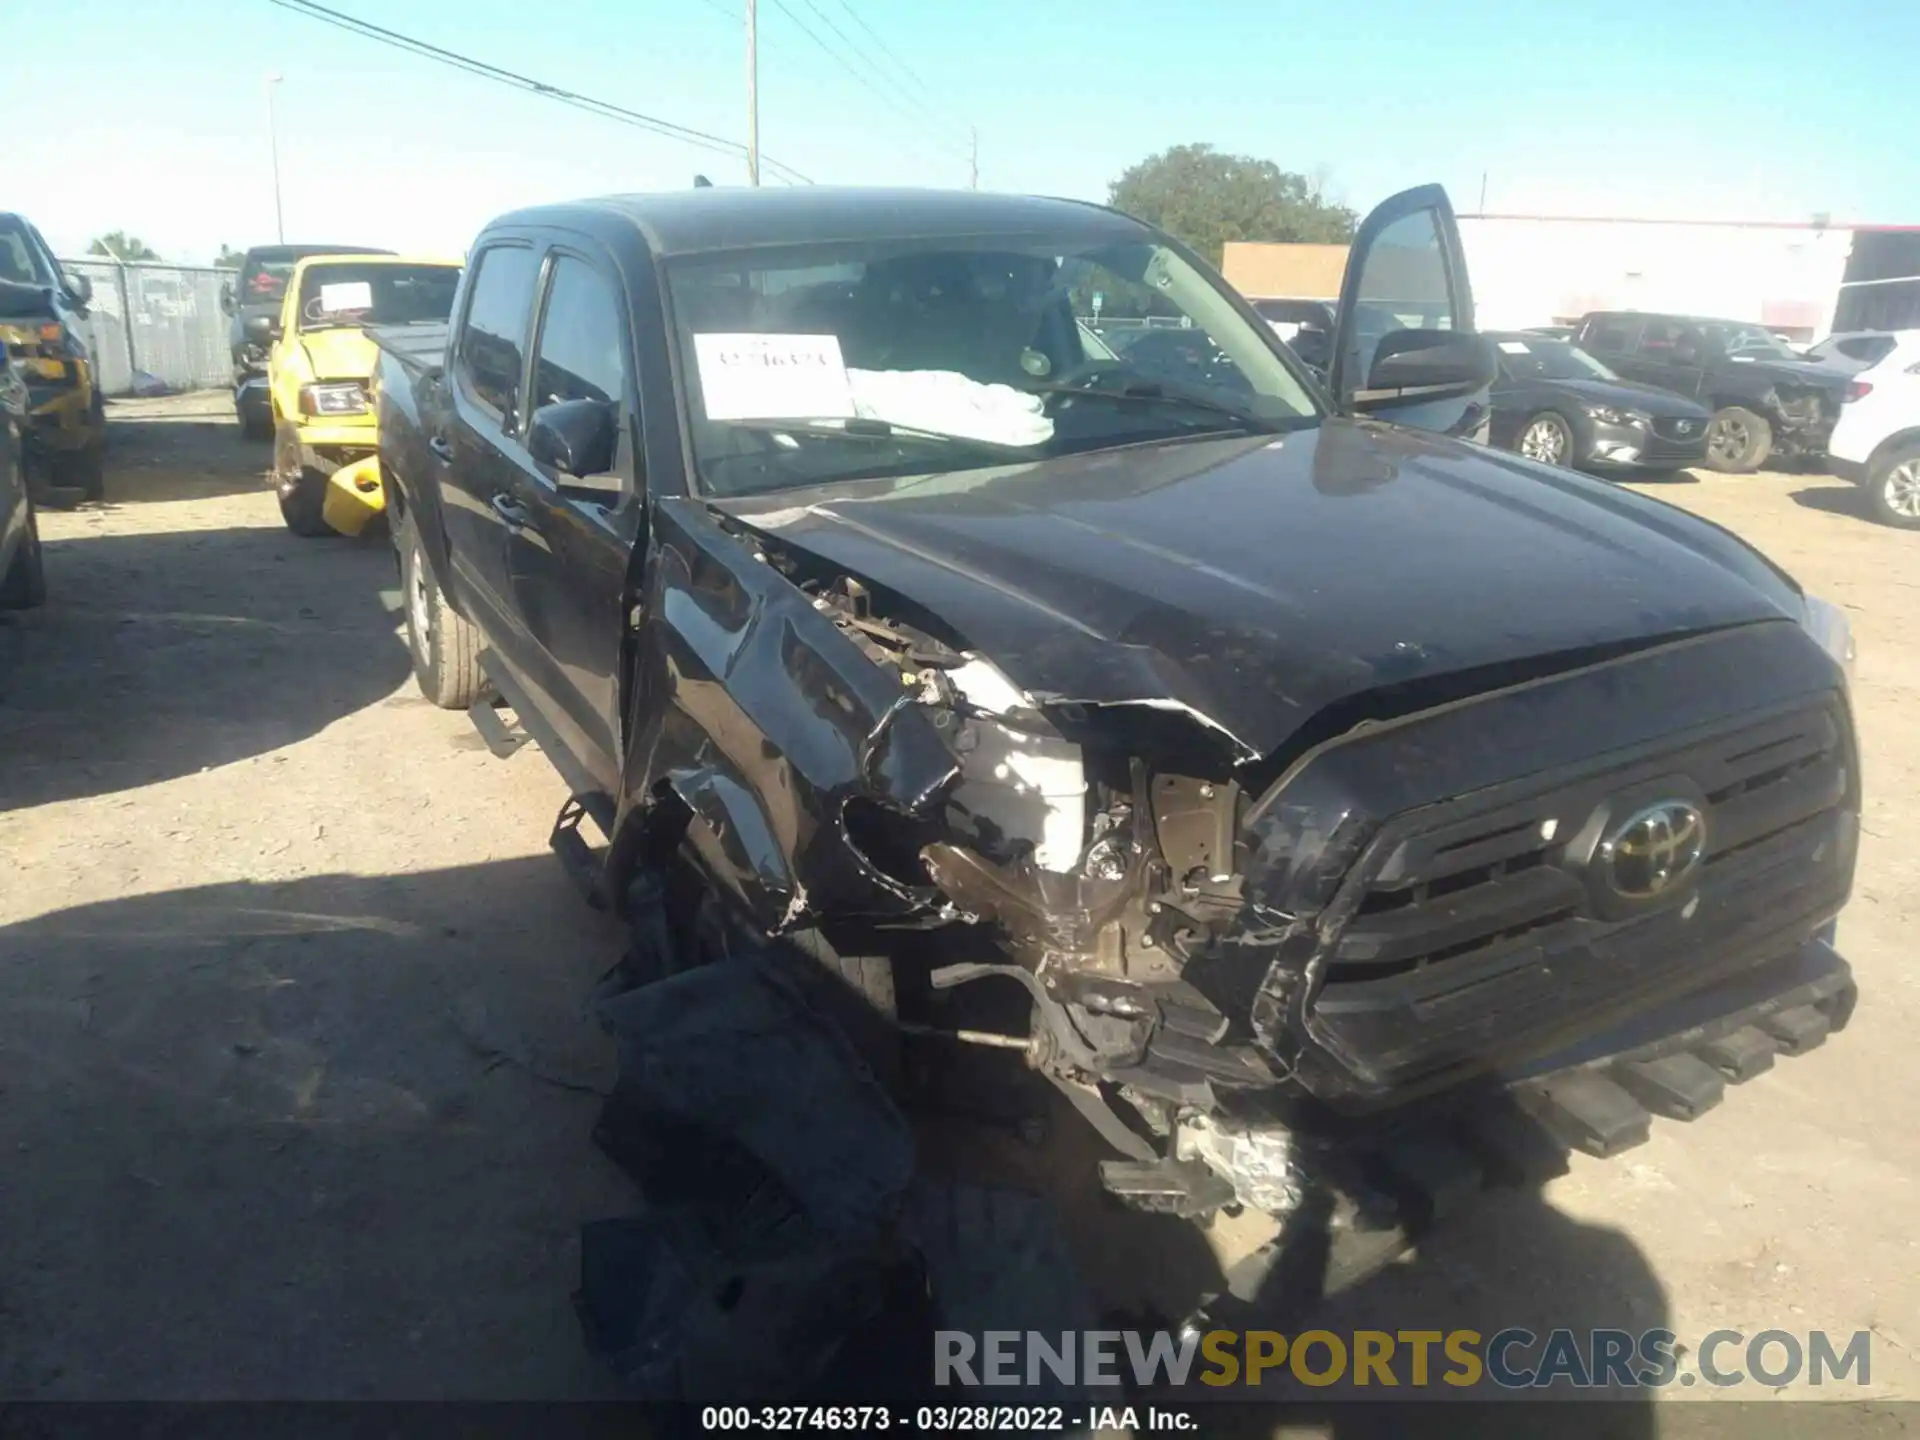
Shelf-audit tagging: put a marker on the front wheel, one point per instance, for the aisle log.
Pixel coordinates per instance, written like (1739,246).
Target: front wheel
(84,471)
(1893,488)
(302,490)
(1738,441)
(1547,439)
(24,586)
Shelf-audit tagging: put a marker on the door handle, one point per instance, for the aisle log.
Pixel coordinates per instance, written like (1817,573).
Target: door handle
(442,450)
(511,511)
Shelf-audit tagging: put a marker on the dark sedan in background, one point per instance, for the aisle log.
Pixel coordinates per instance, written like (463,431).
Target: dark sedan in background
(1557,404)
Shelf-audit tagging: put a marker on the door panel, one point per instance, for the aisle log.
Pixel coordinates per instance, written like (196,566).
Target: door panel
(1670,355)
(568,561)
(1405,293)
(478,457)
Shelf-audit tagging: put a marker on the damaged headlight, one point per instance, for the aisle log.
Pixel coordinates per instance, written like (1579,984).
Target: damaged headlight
(1827,623)
(347,397)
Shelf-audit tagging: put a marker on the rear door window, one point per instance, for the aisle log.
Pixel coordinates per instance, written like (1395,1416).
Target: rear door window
(493,339)
(1869,349)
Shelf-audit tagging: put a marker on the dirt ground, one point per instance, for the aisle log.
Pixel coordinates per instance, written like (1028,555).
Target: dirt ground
(296,1074)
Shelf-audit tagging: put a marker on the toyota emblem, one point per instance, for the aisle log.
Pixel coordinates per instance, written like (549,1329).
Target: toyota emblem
(1653,850)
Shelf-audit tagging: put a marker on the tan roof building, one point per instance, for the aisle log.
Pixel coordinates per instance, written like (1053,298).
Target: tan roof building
(1300,272)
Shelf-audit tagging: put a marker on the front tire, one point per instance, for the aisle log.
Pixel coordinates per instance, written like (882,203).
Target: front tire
(444,647)
(81,470)
(1738,441)
(24,586)
(302,490)
(1893,487)
(1547,439)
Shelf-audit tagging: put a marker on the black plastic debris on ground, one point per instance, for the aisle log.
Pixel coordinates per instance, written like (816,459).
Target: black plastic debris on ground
(786,1251)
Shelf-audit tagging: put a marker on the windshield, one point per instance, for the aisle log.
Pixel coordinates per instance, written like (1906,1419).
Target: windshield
(1529,357)
(17,259)
(332,296)
(1748,340)
(815,364)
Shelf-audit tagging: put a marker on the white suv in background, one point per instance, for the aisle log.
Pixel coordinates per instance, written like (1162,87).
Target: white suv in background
(1877,442)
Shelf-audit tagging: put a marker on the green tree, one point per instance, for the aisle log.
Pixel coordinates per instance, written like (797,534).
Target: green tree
(1206,199)
(118,245)
(228,258)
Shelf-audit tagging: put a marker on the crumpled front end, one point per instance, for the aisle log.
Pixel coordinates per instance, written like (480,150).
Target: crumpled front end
(1462,878)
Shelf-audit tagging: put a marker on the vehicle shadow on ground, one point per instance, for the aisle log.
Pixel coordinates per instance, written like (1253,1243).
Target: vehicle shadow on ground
(1836,497)
(328,1138)
(263,639)
(331,1138)
(192,451)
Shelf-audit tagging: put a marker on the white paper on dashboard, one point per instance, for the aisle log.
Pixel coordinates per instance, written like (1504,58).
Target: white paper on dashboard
(347,295)
(773,377)
(1515,347)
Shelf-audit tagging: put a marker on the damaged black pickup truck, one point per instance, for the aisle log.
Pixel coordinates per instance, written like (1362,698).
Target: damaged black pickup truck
(1304,763)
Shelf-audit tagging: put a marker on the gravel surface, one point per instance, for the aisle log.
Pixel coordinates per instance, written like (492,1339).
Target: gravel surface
(296,1082)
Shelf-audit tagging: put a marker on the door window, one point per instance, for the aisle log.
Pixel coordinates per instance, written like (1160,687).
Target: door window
(1612,333)
(1669,341)
(1403,285)
(492,340)
(1869,349)
(582,353)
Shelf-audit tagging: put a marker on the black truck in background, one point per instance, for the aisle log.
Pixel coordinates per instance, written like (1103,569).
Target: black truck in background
(1766,400)
(1319,778)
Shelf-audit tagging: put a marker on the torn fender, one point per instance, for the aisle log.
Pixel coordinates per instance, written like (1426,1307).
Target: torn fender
(765,720)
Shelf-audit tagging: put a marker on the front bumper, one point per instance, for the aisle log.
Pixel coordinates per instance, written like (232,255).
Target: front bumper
(1628,447)
(325,436)
(1382,1184)
(60,406)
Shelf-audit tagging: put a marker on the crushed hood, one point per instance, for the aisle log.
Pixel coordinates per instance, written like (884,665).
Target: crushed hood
(345,354)
(1255,581)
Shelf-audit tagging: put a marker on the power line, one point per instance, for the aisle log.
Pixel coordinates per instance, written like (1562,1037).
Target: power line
(885,49)
(878,70)
(840,59)
(686,134)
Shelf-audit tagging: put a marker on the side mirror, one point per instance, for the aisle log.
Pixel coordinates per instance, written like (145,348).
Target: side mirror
(577,438)
(81,288)
(1416,367)
(226,297)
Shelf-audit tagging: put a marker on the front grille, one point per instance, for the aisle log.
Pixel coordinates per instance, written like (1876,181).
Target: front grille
(1443,888)
(1670,427)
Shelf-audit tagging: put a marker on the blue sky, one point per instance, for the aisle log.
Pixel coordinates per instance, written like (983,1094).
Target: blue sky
(152,117)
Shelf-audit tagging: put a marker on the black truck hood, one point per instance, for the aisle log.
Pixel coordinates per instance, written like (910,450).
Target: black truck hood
(1257,580)
(1629,395)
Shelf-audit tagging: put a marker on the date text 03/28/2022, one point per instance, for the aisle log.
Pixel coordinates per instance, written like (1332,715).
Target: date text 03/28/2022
(1012,1419)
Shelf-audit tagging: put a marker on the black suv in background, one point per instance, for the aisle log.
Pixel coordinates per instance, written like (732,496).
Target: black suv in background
(1766,399)
(253,299)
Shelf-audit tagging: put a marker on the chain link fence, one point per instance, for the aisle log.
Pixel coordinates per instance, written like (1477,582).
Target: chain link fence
(154,322)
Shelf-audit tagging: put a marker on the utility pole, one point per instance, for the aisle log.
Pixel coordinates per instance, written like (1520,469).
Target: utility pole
(1483,192)
(753,94)
(973,158)
(273,143)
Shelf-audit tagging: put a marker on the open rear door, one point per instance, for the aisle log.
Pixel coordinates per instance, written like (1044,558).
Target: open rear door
(1405,348)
